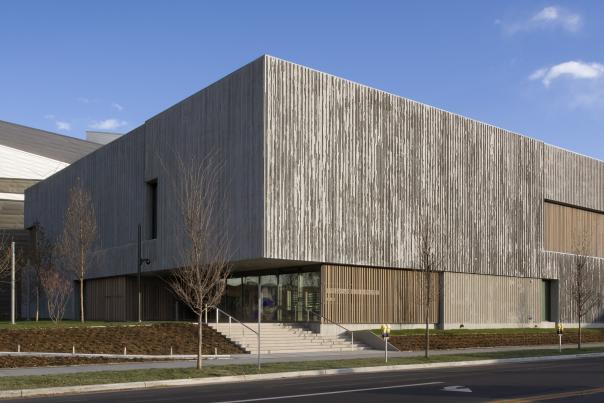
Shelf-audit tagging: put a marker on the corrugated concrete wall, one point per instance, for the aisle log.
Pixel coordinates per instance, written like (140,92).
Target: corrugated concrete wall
(573,179)
(595,279)
(324,170)
(225,119)
(115,298)
(471,299)
(351,169)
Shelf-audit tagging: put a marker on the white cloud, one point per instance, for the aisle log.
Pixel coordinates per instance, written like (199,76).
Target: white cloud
(83,100)
(548,18)
(108,124)
(49,116)
(537,74)
(572,69)
(117,106)
(66,126)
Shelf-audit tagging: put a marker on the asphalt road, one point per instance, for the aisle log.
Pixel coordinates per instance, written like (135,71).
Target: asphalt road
(570,380)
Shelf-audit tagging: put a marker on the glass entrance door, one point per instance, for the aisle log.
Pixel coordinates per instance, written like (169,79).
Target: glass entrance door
(286,297)
(268,288)
(249,299)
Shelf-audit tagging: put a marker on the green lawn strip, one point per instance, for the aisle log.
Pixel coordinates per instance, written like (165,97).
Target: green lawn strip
(503,331)
(91,378)
(47,324)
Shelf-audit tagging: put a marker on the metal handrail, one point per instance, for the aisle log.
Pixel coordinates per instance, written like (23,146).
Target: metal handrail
(231,317)
(337,324)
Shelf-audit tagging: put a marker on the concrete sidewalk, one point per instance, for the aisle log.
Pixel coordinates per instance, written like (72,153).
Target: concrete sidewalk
(240,359)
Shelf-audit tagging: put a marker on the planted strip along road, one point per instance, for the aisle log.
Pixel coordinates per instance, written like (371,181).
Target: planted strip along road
(555,380)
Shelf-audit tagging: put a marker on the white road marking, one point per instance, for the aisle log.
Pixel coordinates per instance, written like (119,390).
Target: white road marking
(457,389)
(335,392)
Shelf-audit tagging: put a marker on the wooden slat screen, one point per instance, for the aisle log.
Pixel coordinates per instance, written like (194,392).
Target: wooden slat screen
(353,294)
(565,227)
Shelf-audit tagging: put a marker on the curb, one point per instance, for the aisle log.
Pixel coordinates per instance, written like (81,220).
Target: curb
(7,394)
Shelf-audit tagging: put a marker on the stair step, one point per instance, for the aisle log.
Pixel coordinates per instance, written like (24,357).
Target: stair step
(284,338)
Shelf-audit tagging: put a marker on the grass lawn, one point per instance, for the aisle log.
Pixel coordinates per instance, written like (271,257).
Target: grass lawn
(30,324)
(28,382)
(524,330)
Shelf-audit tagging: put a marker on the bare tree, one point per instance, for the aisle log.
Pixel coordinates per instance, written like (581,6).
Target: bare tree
(201,280)
(40,256)
(76,242)
(430,261)
(57,288)
(582,290)
(6,261)
(5,255)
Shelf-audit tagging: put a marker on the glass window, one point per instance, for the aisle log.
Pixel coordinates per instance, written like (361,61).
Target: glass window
(232,300)
(268,286)
(250,299)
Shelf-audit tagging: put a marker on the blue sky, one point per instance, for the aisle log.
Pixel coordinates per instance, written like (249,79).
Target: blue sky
(535,67)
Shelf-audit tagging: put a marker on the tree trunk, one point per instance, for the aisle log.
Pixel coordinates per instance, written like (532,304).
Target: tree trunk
(82,285)
(199,340)
(82,299)
(37,302)
(427,313)
(427,347)
(579,332)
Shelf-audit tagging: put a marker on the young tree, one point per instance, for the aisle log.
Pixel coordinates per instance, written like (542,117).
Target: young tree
(57,288)
(40,257)
(582,290)
(6,260)
(75,245)
(5,255)
(201,280)
(430,262)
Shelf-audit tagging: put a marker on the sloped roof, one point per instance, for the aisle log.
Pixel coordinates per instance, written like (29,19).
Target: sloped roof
(47,144)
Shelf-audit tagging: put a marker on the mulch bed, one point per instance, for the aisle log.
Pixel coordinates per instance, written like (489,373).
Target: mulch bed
(442,342)
(22,362)
(143,339)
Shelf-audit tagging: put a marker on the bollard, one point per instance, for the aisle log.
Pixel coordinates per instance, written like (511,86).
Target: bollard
(215,351)
(125,350)
(73,350)
(18,348)
(170,350)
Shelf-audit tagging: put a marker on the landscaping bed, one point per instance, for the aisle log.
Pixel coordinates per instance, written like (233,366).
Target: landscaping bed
(138,339)
(443,340)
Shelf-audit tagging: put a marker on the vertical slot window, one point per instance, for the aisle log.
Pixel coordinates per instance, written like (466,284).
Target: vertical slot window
(152,209)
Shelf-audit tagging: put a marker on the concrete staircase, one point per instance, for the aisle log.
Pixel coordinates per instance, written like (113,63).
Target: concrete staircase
(284,338)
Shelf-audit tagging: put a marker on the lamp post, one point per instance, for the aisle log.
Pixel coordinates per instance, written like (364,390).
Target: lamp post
(141,260)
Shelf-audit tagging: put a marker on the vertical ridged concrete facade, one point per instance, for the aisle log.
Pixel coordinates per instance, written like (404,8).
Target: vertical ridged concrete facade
(321,170)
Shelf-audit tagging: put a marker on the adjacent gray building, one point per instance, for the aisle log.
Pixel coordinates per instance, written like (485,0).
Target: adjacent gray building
(326,182)
(27,156)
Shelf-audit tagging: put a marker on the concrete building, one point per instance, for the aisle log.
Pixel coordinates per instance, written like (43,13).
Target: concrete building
(101,137)
(28,156)
(326,183)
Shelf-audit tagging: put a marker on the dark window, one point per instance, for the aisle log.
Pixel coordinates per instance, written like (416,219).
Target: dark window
(152,209)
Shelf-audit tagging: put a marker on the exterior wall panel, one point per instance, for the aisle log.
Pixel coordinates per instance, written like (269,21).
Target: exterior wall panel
(568,228)
(375,295)
(471,299)
(11,214)
(115,299)
(350,170)
(224,119)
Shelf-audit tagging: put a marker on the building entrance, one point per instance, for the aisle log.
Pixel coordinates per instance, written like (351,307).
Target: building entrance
(285,296)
